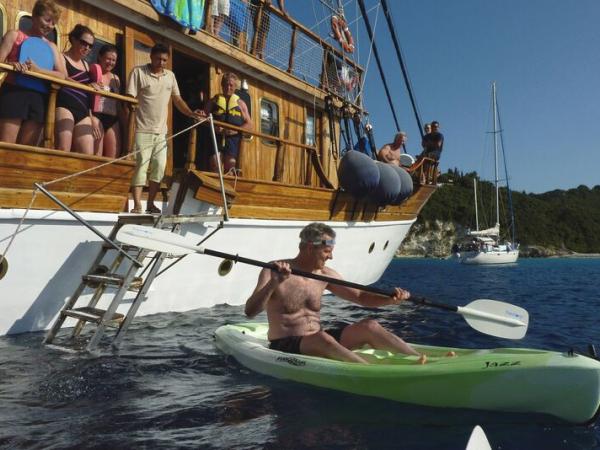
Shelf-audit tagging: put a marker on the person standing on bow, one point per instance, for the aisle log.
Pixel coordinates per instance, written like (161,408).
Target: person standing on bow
(229,108)
(154,86)
(433,142)
(22,109)
(293,305)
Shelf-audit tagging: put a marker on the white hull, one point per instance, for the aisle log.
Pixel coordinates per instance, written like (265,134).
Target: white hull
(489,257)
(52,252)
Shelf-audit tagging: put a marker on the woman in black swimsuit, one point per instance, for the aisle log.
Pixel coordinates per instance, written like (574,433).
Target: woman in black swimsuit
(106,112)
(74,126)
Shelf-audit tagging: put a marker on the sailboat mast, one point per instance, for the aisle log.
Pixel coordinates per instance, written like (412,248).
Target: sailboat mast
(496,153)
(475,195)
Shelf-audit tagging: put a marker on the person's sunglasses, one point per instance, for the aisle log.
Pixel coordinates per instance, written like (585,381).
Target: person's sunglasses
(324,242)
(85,43)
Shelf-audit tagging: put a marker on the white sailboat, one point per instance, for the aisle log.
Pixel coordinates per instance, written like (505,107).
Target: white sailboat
(485,246)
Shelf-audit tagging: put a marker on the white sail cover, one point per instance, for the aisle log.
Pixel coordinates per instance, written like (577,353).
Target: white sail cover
(494,231)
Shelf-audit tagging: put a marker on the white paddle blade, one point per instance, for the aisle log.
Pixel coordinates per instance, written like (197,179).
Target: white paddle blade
(156,239)
(496,318)
(478,440)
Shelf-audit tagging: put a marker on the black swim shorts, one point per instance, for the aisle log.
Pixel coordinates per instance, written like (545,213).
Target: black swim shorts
(291,344)
(17,102)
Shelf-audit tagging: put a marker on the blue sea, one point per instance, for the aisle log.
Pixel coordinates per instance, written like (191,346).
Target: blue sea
(169,387)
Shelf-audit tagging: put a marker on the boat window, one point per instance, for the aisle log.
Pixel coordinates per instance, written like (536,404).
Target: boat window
(269,119)
(25,23)
(310,133)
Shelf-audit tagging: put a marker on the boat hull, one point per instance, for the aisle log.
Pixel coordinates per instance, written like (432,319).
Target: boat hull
(52,251)
(489,257)
(512,380)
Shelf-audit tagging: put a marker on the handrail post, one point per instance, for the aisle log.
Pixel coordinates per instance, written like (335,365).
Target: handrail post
(51,116)
(191,149)
(257,23)
(292,48)
(131,128)
(279,160)
(219,168)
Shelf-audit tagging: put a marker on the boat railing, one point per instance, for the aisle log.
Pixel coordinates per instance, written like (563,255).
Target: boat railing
(273,36)
(280,156)
(425,170)
(55,84)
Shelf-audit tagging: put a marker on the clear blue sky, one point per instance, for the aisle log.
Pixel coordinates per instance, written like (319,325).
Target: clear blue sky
(543,54)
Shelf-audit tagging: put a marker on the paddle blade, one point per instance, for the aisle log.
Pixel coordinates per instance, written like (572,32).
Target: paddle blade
(496,318)
(478,440)
(156,239)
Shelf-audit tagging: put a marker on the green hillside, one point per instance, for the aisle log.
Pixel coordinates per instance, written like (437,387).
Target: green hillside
(556,219)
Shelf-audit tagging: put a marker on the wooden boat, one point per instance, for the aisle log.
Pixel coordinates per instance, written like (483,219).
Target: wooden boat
(288,172)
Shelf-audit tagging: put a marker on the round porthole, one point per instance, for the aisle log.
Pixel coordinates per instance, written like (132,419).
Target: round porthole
(225,267)
(372,247)
(3,267)
(385,246)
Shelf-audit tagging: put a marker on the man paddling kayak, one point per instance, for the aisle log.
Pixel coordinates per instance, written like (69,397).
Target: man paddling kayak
(293,305)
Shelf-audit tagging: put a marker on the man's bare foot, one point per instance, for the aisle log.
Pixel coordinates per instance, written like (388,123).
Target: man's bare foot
(422,359)
(451,354)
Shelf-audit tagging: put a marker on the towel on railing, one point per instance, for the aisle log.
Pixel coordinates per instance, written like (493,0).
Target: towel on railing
(189,13)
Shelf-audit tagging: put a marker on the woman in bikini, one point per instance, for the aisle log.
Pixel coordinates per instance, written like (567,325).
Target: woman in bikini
(75,130)
(23,110)
(106,112)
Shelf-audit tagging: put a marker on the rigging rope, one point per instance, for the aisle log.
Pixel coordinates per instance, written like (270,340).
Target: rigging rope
(388,17)
(363,10)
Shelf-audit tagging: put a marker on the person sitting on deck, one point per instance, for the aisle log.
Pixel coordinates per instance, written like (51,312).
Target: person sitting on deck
(390,153)
(22,109)
(293,305)
(433,142)
(229,108)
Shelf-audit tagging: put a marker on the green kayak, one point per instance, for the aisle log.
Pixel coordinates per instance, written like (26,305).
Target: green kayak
(504,379)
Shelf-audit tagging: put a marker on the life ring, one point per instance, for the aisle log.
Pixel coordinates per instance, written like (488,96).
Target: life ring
(342,34)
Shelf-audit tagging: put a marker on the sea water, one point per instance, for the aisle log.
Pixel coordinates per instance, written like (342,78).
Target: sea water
(171,388)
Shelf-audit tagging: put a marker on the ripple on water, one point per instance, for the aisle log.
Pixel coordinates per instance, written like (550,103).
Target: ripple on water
(169,387)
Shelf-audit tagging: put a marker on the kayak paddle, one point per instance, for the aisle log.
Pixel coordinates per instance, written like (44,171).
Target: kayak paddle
(487,316)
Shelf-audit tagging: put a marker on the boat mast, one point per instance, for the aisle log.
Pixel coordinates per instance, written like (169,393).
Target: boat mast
(510,202)
(496,155)
(476,215)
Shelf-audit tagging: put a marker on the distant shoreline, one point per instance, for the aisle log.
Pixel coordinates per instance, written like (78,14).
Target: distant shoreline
(569,256)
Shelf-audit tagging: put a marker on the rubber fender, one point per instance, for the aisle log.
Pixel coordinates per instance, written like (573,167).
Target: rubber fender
(406,185)
(389,185)
(358,174)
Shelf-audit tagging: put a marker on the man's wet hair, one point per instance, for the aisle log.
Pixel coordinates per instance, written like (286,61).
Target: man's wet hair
(314,232)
